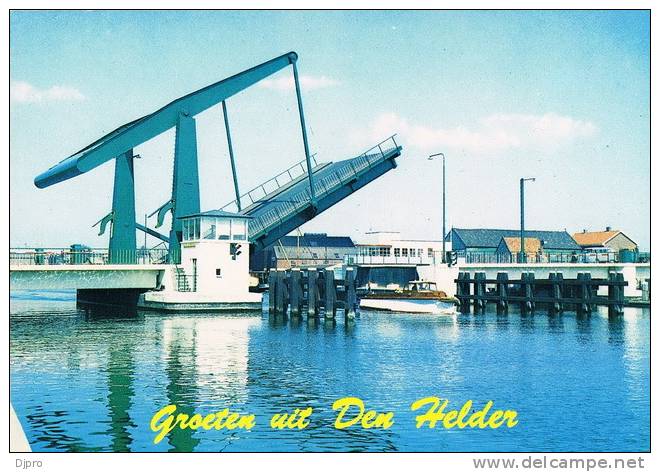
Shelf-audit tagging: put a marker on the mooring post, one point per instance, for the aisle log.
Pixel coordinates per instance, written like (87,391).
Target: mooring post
(312,292)
(582,294)
(479,291)
(621,292)
(281,297)
(530,290)
(555,292)
(591,306)
(615,294)
(272,290)
(465,291)
(502,292)
(330,293)
(351,298)
(295,291)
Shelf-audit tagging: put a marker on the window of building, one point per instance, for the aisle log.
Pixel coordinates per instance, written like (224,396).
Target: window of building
(191,229)
(430,252)
(397,252)
(404,252)
(223,228)
(218,273)
(210,233)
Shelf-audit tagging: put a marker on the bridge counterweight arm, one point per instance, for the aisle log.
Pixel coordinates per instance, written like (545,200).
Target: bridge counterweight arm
(138,131)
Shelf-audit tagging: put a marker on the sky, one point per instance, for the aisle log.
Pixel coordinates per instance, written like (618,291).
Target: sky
(556,95)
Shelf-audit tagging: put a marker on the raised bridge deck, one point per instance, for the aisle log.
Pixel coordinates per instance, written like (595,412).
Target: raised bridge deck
(278,212)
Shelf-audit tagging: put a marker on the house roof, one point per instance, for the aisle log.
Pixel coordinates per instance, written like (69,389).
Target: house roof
(317,240)
(490,238)
(594,238)
(532,245)
(221,213)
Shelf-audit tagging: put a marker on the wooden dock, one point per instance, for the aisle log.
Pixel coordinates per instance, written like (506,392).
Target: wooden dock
(311,292)
(555,293)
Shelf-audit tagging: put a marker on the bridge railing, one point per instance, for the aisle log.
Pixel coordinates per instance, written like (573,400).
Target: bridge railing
(85,256)
(269,186)
(295,203)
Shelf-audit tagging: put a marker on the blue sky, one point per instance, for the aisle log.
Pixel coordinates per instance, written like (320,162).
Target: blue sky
(561,96)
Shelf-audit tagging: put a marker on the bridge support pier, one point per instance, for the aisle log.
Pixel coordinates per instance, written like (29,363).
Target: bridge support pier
(124,297)
(185,182)
(122,236)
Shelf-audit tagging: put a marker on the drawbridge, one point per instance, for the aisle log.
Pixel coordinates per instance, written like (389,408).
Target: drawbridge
(276,207)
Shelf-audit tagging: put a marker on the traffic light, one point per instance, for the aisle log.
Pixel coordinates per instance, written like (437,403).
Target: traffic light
(234,250)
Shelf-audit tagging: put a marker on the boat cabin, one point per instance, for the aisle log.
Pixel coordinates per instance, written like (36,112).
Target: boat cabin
(421,286)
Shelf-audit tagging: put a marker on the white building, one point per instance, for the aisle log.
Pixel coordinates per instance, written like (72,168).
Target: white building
(388,248)
(214,269)
(386,260)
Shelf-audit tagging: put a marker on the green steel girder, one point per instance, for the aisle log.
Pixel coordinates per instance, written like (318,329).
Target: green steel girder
(136,132)
(122,236)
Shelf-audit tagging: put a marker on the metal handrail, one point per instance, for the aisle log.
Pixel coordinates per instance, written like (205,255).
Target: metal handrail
(323,186)
(86,256)
(302,164)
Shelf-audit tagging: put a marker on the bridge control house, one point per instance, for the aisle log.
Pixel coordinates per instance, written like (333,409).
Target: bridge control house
(214,265)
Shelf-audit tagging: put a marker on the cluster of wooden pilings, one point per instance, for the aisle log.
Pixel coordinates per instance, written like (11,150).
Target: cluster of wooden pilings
(311,292)
(555,293)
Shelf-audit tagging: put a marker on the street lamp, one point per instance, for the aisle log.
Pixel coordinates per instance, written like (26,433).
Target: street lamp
(523,254)
(444,258)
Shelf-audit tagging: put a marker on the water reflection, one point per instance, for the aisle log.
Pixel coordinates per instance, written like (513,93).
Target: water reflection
(91,379)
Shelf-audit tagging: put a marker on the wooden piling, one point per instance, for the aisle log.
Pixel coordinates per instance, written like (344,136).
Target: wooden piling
(583,294)
(557,281)
(281,297)
(272,295)
(502,292)
(312,293)
(479,291)
(464,289)
(615,295)
(329,293)
(527,283)
(351,297)
(295,292)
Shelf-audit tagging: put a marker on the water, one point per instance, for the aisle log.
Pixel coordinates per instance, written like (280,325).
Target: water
(86,380)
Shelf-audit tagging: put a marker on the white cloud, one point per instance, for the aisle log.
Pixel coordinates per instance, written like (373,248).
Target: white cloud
(489,135)
(24,92)
(307,82)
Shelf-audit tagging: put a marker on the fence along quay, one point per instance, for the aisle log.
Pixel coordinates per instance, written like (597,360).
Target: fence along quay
(555,292)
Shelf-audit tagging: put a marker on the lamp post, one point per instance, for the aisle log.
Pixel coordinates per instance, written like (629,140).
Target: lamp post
(523,254)
(444,252)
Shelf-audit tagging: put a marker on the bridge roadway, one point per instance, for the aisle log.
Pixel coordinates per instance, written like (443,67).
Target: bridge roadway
(86,276)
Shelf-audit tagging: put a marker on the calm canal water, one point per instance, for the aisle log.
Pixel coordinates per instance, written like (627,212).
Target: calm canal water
(86,380)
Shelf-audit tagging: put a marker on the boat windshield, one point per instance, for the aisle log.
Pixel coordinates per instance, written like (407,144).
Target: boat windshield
(419,286)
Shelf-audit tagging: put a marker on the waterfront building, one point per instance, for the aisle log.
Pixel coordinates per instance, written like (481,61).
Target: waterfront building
(480,245)
(387,247)
(509,250)
(386,260)
(606,246)
(306,250)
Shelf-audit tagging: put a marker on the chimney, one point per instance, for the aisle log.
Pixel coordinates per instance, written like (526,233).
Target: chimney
(608,228)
